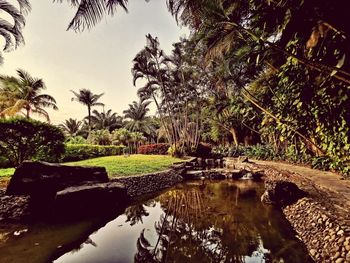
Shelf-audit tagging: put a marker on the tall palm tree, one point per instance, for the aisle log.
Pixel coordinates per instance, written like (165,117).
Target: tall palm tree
(89,13)
(139,121)
(106,120)
(87,98)
(11,32)
(25,93)
(71,126)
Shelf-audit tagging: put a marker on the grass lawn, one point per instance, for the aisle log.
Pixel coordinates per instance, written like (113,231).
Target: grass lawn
(6,172)
(133,165)
(120,165)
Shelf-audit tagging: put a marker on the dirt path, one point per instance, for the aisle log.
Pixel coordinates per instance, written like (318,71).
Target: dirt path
(325,180)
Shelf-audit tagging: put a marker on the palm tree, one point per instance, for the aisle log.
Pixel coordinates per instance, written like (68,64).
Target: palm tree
(89,13)
(106,120)
(87,98)
(139,121)
(71,126)
(24,92)
(12,31)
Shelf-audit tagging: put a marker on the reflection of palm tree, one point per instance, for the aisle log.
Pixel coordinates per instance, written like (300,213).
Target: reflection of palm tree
(190,225)
(135,213)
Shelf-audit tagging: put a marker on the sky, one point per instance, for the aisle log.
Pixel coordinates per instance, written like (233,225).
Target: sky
(99,59)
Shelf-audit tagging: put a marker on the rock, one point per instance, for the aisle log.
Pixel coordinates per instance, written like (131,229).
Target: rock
(339,260)
(340,233)
(188,175)
(281,193)
(336,255)
(89,199)
(313,252)
(41,178)
(242,159)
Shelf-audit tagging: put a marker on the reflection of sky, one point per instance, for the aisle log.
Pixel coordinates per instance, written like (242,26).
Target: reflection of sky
(116,241)
(99,59)
(258,255)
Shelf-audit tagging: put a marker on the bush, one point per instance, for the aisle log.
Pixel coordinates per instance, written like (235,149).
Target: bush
(26,139)
(157,148)
(100,137)
(77,152)
(76,140)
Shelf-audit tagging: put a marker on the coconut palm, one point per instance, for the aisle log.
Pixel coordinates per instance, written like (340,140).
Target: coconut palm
(106,120)
(24,93)
(87,98)
(138,119)
(89,13)
(71,126)
(12,31)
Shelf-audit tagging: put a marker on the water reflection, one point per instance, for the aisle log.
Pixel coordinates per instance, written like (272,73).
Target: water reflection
(202,221)
(219,222)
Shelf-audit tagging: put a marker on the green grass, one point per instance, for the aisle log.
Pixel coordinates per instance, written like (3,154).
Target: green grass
(6,172)
(133,165)
(120,165)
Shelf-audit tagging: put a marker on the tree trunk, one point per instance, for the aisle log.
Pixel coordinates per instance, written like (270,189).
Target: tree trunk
(89,118)
(234,136)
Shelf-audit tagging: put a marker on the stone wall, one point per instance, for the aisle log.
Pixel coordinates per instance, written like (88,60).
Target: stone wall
(149,183)
(318,220)
(324,236)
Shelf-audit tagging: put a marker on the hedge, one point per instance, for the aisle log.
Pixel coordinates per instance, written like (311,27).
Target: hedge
(27,139)
(77,152)
(157,148)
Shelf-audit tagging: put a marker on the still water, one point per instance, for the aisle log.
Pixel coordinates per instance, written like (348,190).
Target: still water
(202,221)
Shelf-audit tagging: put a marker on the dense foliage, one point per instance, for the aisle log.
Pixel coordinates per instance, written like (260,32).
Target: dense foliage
(77,152)
(24,139)
(23,95)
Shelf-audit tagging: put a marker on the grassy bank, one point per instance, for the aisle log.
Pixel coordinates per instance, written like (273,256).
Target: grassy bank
(120,165)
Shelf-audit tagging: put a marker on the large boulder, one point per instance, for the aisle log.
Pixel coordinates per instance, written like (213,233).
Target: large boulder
(89,199)
(281,193)
(41,178)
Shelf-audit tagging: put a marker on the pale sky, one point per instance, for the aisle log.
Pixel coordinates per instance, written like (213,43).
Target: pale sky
(99,59)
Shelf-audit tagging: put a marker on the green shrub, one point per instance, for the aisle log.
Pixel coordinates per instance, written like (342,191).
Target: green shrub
(100,137)
(26,139)
(77,152)
(76,140)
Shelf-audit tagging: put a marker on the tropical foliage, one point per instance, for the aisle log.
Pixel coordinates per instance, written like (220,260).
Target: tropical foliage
(24,139)
(11,31)
(71,127)
(77,152)
(23,94)
(88,99)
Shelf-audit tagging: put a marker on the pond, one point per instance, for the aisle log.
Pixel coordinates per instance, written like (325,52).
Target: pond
(202,221)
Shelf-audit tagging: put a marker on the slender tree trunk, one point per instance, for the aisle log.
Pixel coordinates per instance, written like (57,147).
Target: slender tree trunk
(234,136)
(28,112)
(89,118)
